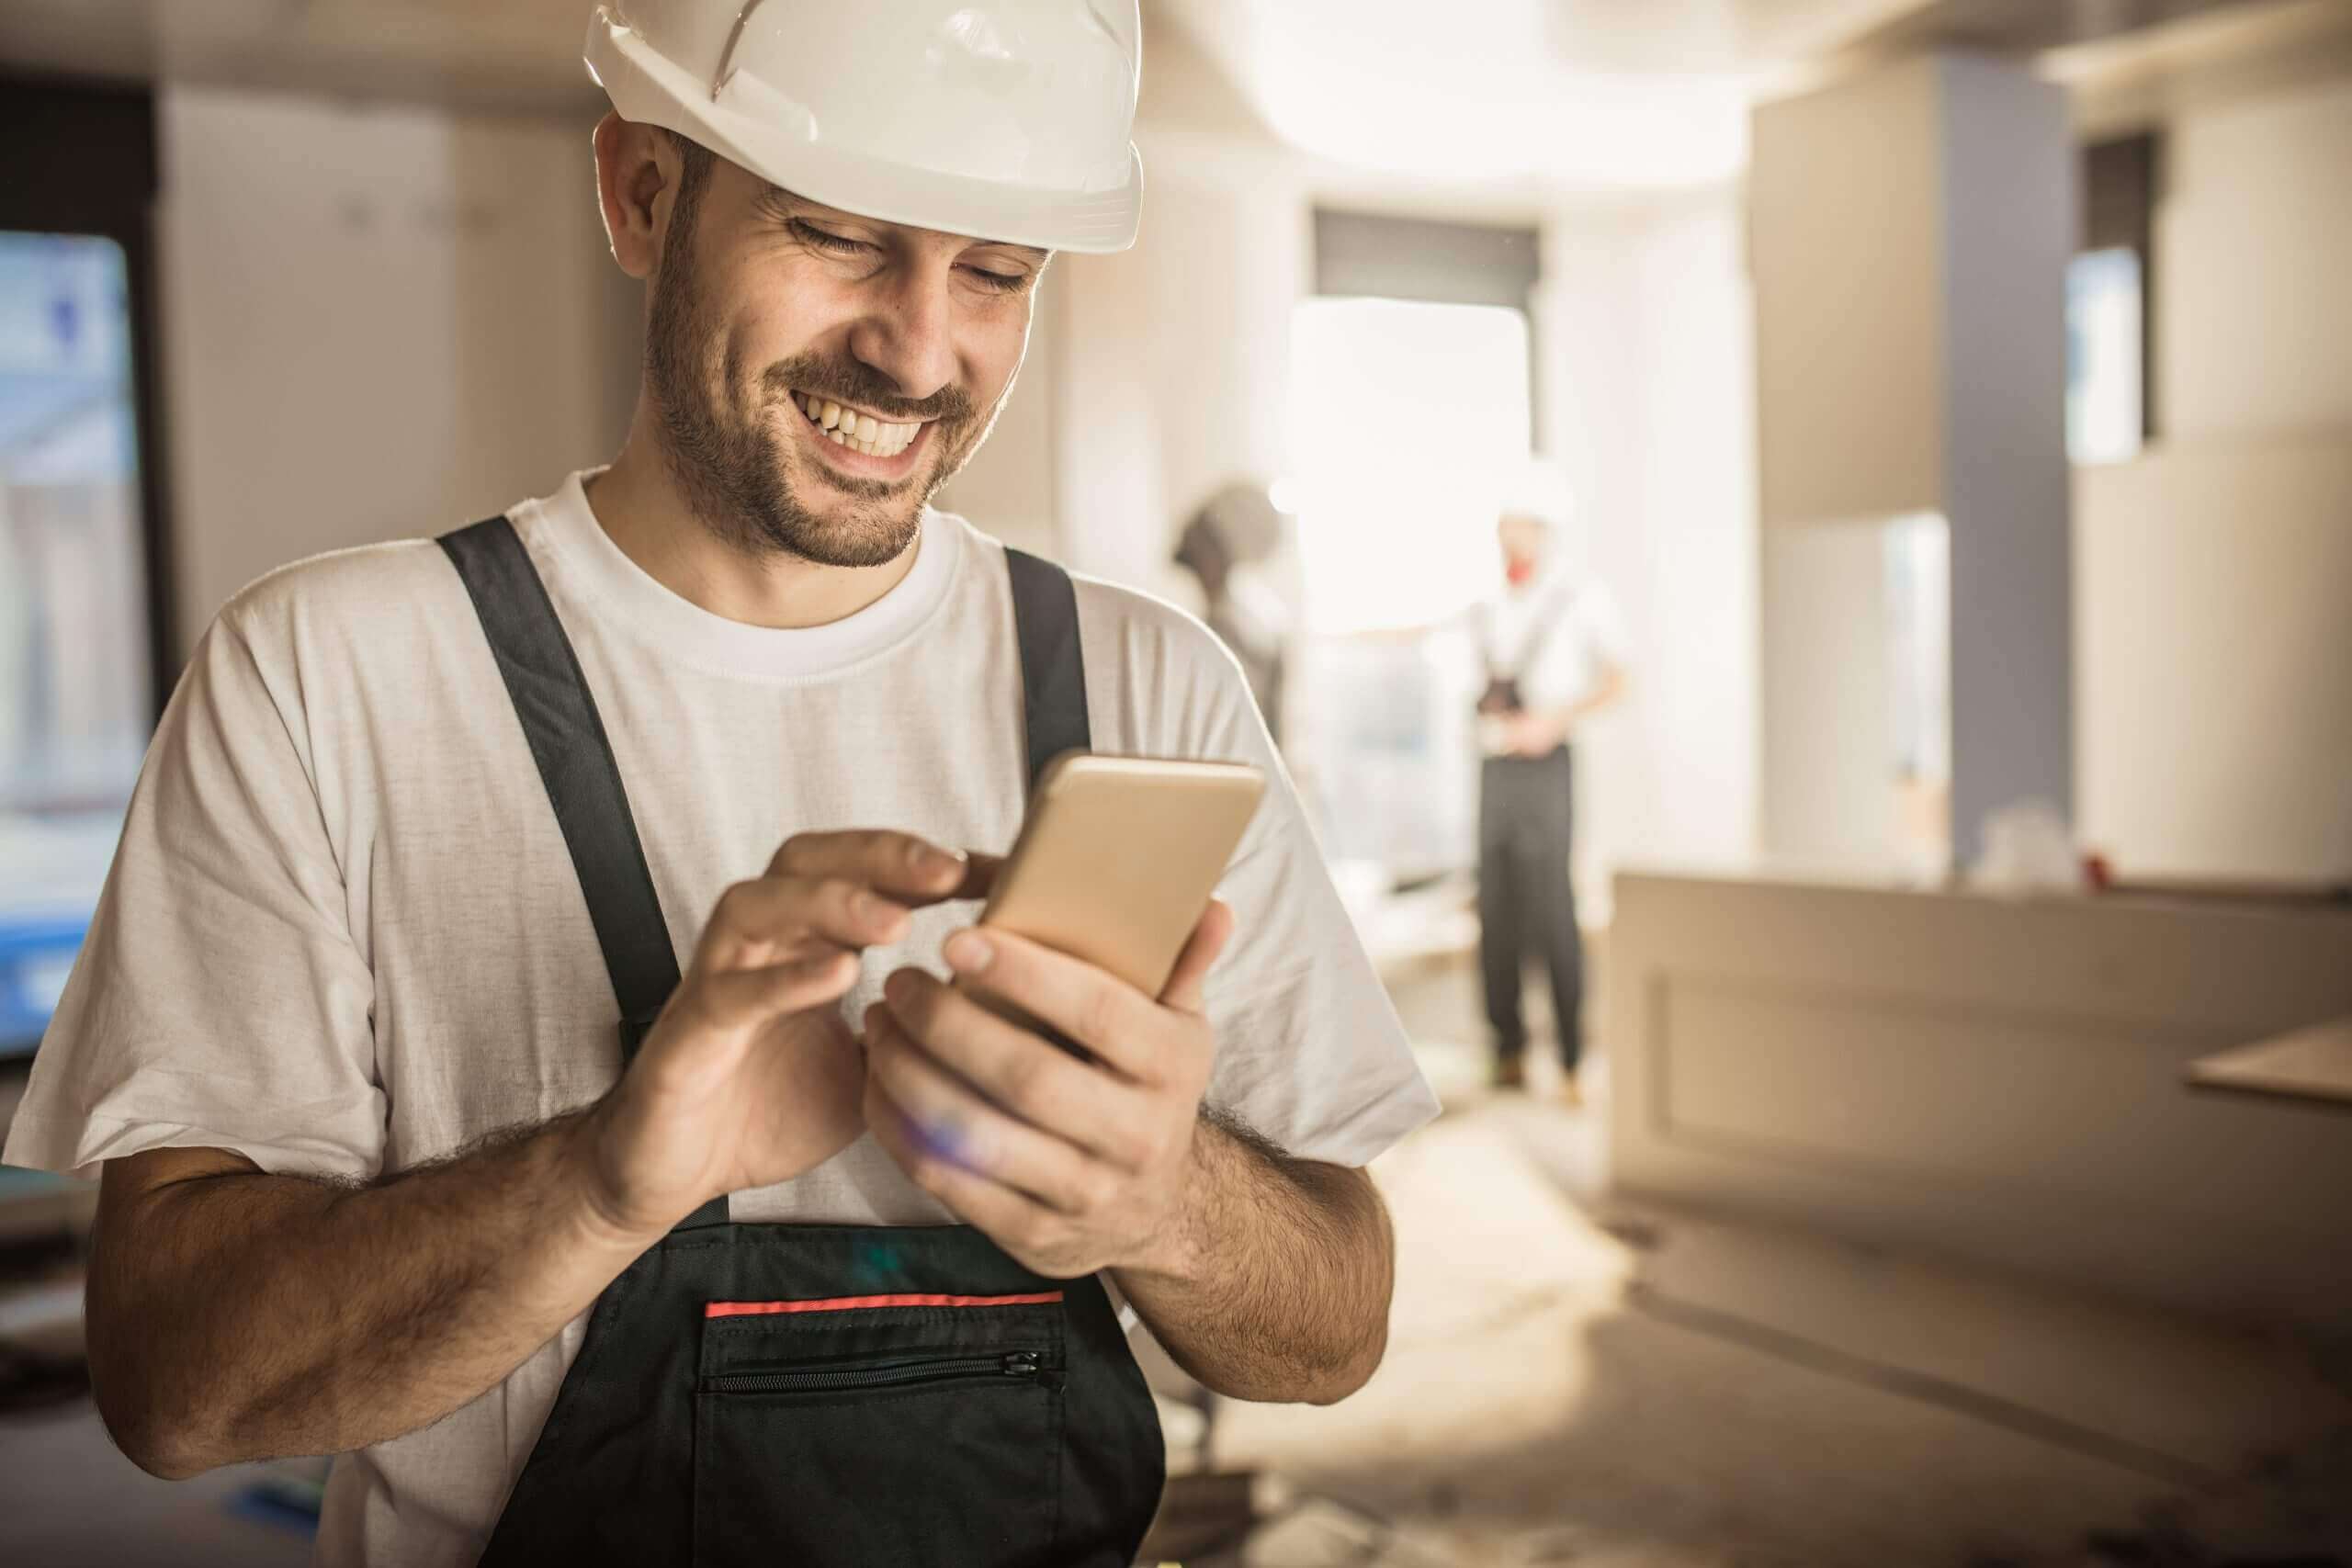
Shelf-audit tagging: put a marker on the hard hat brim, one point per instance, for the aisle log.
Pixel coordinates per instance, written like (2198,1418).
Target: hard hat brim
(647,87)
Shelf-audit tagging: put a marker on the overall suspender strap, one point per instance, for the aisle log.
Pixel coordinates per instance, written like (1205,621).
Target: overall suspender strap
(583,781)
(1053,666)
(576,760)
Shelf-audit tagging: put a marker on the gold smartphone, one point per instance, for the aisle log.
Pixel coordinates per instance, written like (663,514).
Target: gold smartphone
(1118,858)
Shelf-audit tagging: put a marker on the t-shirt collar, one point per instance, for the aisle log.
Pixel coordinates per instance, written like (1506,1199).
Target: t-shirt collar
(680,629)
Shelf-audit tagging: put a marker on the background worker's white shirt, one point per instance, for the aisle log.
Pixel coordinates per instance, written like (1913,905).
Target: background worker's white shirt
(342,935)
(1564,665)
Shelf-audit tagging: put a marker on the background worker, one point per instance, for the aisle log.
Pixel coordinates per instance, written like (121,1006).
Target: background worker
(1552,646)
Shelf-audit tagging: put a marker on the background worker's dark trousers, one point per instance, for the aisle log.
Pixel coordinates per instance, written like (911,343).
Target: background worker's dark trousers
(1526,899)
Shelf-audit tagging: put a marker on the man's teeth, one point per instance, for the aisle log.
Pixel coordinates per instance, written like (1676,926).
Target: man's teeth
(858,432)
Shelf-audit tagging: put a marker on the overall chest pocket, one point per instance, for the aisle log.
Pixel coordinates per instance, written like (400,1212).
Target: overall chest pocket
(879,1430)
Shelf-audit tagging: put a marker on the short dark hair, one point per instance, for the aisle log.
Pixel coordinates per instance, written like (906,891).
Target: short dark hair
(695,161)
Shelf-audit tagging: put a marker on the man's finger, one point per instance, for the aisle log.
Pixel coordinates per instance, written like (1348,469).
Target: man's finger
(1038,1082)
(909,869)
(949,1121)
(1187,984)
(742,997)
(768,912)
(1118,1024)
(1003,1215)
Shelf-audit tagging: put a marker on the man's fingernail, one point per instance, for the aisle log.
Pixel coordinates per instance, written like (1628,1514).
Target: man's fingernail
(967,954)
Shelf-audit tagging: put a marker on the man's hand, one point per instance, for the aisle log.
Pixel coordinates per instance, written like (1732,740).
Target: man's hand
(750,1076)
(1069,1166)
(1534,734)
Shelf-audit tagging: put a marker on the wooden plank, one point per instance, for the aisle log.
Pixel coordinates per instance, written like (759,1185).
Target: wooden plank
(2311,1065)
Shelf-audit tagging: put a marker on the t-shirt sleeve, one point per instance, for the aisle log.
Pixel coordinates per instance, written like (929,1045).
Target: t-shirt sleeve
(1587,639)
(219,1000)
(1603,627)
(1310,1053)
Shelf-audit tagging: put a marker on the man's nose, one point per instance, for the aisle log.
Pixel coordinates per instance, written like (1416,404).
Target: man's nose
(908,334)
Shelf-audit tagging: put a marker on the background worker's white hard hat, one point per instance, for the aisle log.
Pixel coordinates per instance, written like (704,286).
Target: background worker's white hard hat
(1538,490)
(1003,119)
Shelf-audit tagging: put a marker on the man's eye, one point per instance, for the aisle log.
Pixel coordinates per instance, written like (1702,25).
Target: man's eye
(1002,282)
(840,244)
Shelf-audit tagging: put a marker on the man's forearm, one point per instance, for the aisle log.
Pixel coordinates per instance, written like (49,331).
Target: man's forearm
(242,1317)
(1564,721)
(1279,1288)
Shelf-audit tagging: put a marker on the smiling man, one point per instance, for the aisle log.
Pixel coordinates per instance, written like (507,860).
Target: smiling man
(516,1036)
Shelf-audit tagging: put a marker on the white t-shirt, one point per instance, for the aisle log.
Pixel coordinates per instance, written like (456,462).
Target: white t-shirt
(1556,636)
(343,934)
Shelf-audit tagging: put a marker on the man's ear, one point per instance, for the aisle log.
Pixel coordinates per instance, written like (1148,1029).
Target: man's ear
(637,169)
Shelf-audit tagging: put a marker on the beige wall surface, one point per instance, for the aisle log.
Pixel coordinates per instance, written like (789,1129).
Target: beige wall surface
(2253,249)
(2213,660)
(1829,754)
(2213,655)
(380,322)
(1845,239)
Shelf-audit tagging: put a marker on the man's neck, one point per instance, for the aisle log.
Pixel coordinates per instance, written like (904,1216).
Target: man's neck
(637,503)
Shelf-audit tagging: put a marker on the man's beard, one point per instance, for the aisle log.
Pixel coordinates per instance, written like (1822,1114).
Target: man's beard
(731,461)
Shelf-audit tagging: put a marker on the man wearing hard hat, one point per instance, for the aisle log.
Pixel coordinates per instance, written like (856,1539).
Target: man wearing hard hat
(1554,647)
(383,1176)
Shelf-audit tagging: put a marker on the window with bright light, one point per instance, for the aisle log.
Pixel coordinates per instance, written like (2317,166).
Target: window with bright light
(1408,419)
(2104,416)
(74,704)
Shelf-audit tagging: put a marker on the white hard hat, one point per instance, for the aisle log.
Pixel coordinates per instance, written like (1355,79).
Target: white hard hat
(1003,119)
(1538,488)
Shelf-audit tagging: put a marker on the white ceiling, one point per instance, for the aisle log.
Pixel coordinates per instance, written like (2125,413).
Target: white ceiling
(1574,95)
(1627,94)
(519,53)
(534,44)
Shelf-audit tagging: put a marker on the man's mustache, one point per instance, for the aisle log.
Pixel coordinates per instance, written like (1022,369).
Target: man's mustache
(867,387)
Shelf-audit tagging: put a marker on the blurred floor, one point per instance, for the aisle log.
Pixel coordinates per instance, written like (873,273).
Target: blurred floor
(1680,1393)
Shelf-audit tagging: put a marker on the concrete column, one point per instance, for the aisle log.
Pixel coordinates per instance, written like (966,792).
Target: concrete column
(1909,234)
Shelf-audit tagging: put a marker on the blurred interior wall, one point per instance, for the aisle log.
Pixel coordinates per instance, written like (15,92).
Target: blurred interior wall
(2254,282)
(1643,320)
(2214,660)
(1175,358)
(2213,650)
(380,322)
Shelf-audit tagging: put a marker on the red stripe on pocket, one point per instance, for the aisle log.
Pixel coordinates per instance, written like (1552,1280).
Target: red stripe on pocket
(852,1304)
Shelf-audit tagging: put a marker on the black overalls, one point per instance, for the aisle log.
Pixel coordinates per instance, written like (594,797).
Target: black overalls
(801,1396)
(1527,895)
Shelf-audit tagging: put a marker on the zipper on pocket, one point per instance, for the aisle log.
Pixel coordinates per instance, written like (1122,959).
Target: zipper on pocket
(1023,1365)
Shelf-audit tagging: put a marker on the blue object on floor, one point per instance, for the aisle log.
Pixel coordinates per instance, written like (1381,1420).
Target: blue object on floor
(288,1505)
(35,954)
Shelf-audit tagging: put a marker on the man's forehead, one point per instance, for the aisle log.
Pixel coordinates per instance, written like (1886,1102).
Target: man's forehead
(818,209)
